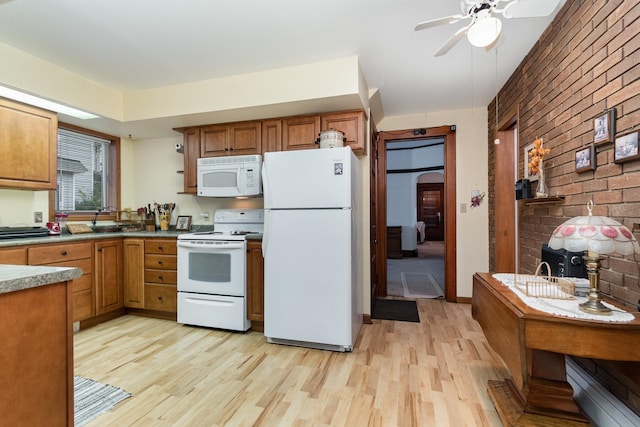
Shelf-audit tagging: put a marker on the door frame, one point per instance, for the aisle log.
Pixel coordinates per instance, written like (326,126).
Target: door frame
(379,239)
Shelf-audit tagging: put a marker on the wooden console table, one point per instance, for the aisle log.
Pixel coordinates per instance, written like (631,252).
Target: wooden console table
(533,345)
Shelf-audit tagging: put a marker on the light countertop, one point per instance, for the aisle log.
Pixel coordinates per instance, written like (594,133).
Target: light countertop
(18,277)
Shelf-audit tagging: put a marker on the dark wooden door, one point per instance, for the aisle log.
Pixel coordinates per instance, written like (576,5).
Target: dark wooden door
(374,238)
(431,210)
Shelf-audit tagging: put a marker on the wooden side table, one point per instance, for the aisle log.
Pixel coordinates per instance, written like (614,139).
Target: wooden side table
(533,345)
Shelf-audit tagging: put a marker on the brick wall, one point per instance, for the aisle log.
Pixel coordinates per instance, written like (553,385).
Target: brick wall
(586,62)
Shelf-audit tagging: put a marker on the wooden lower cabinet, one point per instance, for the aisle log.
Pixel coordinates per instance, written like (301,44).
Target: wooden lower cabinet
(255,285)
(36,351)
(15,256)
(133,255)
(151,274)
(79,255)
(109,279)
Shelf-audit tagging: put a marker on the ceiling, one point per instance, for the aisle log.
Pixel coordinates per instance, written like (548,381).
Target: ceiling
(140,44)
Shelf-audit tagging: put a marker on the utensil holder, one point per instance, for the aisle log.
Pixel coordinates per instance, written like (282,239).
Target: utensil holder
(164,222)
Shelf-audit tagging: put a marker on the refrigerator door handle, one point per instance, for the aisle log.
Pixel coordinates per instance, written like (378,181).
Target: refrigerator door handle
(266,232)
(265,185)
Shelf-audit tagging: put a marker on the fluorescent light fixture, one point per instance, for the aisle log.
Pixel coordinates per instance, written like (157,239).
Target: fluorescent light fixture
(44,103)
(484,31)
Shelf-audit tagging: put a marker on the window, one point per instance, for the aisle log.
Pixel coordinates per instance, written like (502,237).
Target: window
(88,174)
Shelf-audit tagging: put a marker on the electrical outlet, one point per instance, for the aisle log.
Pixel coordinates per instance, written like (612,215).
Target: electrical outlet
(37,217)
(205,215)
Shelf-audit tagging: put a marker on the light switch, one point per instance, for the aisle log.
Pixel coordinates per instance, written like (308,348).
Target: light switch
(463,208)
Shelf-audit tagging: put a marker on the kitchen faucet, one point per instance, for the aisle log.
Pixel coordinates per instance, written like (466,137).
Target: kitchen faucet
(95,217)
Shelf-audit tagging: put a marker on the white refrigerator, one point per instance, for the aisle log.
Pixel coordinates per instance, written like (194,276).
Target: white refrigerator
(312,248)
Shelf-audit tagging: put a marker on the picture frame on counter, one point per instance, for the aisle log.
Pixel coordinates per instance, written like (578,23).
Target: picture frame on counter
(626,147)
(604,127)
(183,223)
(586,159)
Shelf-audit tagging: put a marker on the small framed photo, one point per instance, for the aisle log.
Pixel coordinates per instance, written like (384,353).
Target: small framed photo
(626,148)
(183,223)
(604,127)
(585,159)
(527,172)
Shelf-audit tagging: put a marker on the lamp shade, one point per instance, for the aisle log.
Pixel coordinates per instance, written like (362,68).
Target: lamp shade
(598,234)
(484,31)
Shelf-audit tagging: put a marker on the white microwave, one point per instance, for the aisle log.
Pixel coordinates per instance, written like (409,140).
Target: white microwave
(232,176)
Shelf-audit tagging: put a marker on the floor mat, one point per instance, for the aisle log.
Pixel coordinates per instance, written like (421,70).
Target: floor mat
(394,309)
(92,398)
(421,285)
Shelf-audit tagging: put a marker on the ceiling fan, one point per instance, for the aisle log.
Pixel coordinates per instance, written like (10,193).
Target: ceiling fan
(484,28)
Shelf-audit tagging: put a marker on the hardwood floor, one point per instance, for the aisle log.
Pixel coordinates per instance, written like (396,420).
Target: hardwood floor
(432,373)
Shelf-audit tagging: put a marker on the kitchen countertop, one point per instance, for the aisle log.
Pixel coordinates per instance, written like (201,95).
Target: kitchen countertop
(18,277)
(67,237)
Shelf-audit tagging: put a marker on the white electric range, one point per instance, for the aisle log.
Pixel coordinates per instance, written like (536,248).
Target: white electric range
(212,283)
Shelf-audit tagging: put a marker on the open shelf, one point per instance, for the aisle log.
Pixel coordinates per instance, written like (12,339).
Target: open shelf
(542,200)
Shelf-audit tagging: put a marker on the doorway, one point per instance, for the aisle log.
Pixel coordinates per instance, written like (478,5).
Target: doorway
(383,142)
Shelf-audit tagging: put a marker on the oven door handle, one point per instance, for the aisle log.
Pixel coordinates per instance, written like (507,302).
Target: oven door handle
(211,246)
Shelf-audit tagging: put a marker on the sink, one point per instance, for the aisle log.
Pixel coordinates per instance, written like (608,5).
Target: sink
(106,229)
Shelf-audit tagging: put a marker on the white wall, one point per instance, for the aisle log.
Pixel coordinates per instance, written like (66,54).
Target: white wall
(401,187)
(151,166)
(472,243)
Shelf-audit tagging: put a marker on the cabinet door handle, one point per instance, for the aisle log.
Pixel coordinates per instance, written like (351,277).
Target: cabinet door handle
(160,262)
(63,253)
(160,297)
(160,248)
(160,277)
(99,249)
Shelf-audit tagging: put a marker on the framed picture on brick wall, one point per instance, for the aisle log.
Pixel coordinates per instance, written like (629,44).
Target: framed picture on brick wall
(604,127)
(626,148)
(585,159)
(528,174)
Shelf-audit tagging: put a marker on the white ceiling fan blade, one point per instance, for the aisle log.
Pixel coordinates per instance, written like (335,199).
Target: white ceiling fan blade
(452,41)
(440,21)
(529,8)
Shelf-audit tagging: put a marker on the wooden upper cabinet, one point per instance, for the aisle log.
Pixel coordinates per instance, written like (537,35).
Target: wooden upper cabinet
(214,140)
(28,144)
(300,132)
(271,135)
(351,123)
(245,138)
(234,139)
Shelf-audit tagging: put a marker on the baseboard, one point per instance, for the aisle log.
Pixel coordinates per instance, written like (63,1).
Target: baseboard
(599,405)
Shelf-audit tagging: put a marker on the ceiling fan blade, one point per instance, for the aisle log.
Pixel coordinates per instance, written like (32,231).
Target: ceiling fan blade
(452,41)
(529,8)
(440,21)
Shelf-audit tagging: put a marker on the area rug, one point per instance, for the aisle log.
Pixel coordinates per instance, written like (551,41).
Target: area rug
(92,398)
(421,285)
(394,309)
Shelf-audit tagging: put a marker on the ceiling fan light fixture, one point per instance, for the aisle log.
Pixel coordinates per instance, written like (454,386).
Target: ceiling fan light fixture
(484,31)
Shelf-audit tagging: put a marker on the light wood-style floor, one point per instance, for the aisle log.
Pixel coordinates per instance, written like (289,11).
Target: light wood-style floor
(432,373)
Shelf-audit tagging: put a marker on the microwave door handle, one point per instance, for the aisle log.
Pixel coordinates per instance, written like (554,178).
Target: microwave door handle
(240,180)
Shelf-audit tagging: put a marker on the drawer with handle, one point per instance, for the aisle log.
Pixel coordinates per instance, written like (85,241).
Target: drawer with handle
(57,253)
